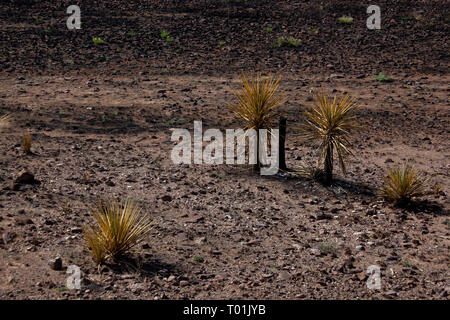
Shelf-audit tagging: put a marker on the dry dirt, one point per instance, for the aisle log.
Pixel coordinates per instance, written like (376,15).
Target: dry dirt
(100,117)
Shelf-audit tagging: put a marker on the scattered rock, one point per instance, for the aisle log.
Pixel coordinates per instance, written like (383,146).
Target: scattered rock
(76,230)
(171,278)
(55,264)
(7,237)
(24,177)
(183,283)
(284,275)
(200,240)
(193,219)
(23,221)
(445,292)
(323,216)
(166,198)
(390,294)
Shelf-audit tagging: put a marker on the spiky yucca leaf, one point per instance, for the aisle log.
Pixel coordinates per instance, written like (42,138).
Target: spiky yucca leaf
(402,184)
(95,241)
(257,101)
(119,226)
(330,123)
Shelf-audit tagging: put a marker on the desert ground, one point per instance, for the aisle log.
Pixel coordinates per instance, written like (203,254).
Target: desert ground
(101,118)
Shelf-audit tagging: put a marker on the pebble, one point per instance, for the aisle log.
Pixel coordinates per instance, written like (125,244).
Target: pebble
(55,264)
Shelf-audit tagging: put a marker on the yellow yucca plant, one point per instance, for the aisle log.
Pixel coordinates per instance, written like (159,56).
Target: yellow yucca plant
(118,227)
(402,184)
(26,143)
(5,121)
(257,103)
(330,123)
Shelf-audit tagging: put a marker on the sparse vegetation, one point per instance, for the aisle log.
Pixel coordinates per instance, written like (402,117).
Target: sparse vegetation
(164,34)
(288,42)
(198,259)
(117,227)
(269,29)
(330,123)
(383,78)
(345,20)
(98,41)
(402,184)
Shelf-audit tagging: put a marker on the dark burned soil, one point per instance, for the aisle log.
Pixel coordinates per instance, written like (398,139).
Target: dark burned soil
(100,117)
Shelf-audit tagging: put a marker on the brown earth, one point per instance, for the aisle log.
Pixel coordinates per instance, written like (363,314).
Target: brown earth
(100,117)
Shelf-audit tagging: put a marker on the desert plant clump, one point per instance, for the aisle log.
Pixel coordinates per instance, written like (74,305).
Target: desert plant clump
(330,123)
(98,41)
(26,144)
(345,20)
(402,184)
(117,228)
(383,78)
(288,42)
(257,103)
(164,34)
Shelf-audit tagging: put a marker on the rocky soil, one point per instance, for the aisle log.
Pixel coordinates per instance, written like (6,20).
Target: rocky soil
(100,118)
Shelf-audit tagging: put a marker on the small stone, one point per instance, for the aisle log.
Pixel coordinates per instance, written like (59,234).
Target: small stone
(7,237)
(391,294)
(171,278)
(284,275)
(323,216)
(200,240)
(56,264)
(24,177)
(76,230)
(193,219)
(23,221)
(360,248)
(362,276)
(184,283)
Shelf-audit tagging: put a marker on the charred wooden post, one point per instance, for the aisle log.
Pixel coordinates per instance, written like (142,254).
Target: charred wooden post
(281,142)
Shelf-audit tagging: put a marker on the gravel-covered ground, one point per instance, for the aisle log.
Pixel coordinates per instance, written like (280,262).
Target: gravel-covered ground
(100,117)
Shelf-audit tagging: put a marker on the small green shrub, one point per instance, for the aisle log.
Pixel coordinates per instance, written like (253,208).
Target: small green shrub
(345,20)
(288,42)
(164,34)
(383,78)
(98,41)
